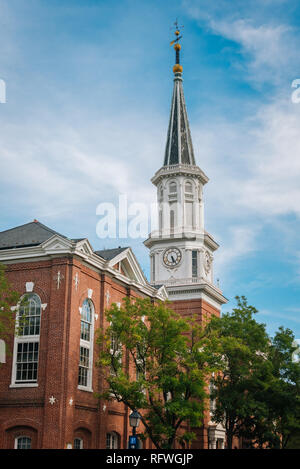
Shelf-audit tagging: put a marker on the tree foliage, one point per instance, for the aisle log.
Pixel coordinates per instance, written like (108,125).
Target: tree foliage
(257,393)
(284,395)
(170,358)
(243,344)
(8,297)
(160,363)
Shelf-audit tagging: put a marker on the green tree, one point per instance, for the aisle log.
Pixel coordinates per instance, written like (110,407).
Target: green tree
(284,394)
(171,358)
(243,347)
(257,393)
(8,297)
(276,417)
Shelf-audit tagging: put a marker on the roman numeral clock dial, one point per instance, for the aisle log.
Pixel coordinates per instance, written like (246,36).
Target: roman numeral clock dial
(172,257)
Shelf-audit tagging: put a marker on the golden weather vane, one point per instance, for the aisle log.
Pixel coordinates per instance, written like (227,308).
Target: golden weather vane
(177,67)
(177,33)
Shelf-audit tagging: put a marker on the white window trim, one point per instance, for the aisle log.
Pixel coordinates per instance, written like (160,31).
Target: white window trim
(112,435)
(90,346)
(197,262)
(2,351)
(18,339)
(21,436)
(173,183)
(81,442)
(188,182)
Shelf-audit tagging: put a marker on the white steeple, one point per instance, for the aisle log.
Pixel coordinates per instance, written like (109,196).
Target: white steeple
(179,147)
(181,251)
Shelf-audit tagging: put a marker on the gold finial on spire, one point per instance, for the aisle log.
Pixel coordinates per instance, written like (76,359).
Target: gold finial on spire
(177,67)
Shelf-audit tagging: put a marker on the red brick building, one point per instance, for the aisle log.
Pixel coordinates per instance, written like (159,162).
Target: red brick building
(48,380)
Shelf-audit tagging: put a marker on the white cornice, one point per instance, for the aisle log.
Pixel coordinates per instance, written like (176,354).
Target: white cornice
(58,246)
(210,242)
(179,170)
(157,237)
(204,290)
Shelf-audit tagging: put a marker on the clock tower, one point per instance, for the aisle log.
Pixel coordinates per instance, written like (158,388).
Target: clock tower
(181,250)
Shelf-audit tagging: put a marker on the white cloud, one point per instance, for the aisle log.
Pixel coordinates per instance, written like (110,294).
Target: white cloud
(269,45)
(254,167)
(273,188)
(55,168)
(255,163)
(282,315)
(237,243)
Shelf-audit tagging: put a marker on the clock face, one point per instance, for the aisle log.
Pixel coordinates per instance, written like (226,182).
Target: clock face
(172,257)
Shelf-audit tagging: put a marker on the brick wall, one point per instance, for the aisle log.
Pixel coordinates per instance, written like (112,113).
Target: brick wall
(75,413)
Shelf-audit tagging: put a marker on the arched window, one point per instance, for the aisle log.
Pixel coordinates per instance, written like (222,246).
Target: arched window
(78,443)
(112,440)
(86,345)
(29,316)
(26,347)
(188,187)
(23,442)
(173,187)
(86,321)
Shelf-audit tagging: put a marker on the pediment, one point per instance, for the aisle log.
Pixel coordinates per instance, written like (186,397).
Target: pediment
(126,264)
(84,247)
(162,293)
(56,244)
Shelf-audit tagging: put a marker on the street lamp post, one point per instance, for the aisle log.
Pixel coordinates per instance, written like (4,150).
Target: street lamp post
(134,420)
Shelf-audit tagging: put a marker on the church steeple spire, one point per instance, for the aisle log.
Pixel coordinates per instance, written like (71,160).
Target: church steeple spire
(181,250)
(179,147)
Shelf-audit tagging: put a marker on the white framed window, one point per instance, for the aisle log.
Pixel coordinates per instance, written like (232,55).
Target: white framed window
(115,346)
(115,350)
(212,400)
(139,365)
(172,220)
(23,442)
(194,263)
(112,440)
(173,187)
(86,346)
(2,351)
(78,443)
(188,187)
(27,342)
(153,267)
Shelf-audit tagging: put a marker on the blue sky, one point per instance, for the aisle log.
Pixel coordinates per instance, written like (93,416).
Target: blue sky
(89,86)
